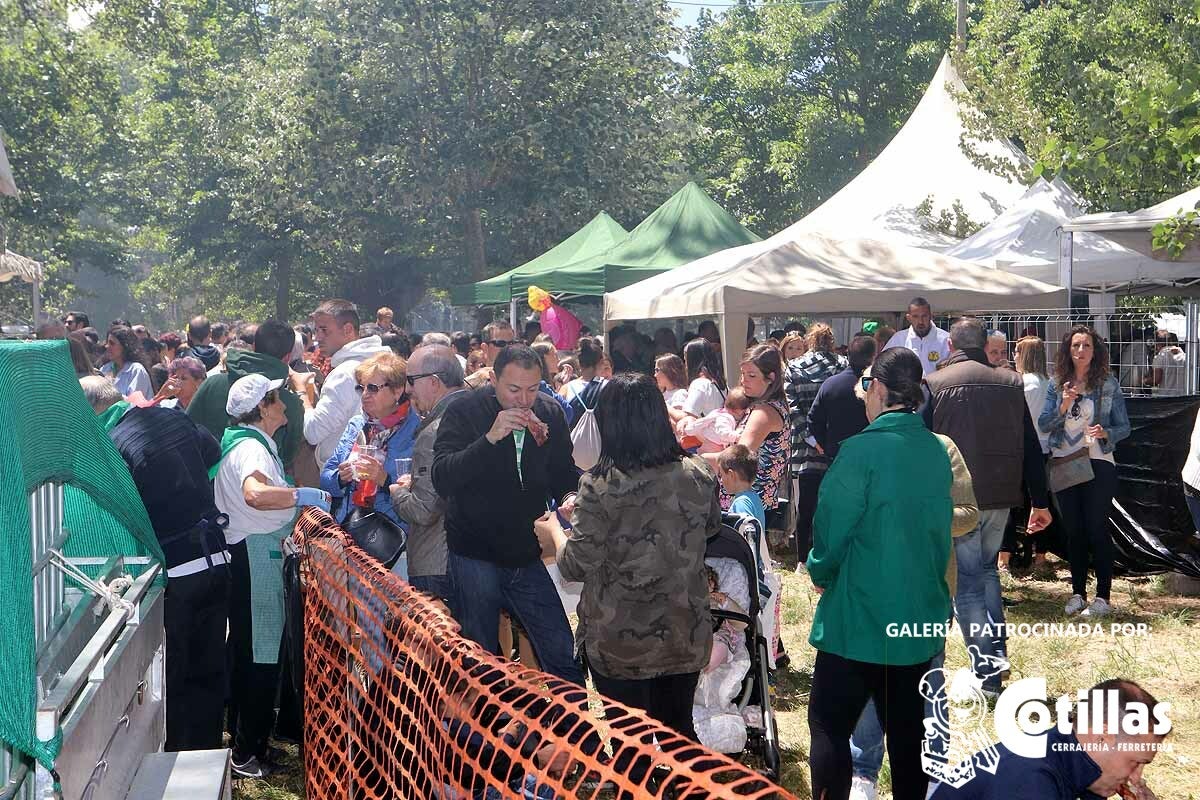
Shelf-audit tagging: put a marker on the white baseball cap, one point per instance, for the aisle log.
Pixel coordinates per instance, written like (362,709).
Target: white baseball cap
(247,392)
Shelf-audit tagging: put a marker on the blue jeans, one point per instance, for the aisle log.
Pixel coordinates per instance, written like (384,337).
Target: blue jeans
(439,586)
(866,744)
(977,603)
(484,589)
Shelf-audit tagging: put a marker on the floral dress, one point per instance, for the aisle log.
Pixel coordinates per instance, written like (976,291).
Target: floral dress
(772,459)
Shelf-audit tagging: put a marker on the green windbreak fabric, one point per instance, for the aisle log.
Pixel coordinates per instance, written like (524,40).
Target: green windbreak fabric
(49,433)
(688,226)
(596,237)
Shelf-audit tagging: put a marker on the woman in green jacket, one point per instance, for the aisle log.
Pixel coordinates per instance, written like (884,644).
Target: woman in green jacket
(881,545)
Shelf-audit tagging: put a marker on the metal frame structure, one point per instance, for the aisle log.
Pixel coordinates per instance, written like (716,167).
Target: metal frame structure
(100,669)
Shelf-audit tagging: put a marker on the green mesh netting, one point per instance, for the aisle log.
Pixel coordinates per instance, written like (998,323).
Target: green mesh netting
(49,433)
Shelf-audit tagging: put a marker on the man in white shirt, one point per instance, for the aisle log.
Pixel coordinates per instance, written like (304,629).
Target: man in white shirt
(335,324)
(1170,366)
(928,341)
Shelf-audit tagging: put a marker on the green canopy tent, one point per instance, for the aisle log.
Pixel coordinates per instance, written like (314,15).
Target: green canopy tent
(596,237)
(686,227)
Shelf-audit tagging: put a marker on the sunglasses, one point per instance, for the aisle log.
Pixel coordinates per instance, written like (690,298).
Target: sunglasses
(865,382)
(501,343)
(371,388)
(411,380)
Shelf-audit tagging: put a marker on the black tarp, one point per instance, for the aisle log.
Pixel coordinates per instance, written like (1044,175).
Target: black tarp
(1151,526)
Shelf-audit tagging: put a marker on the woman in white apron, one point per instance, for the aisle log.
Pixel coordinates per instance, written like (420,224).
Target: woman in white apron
(250,488)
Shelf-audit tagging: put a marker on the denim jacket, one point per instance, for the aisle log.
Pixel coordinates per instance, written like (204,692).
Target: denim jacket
(1111,417)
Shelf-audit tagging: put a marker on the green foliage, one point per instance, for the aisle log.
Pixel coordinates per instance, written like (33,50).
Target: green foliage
(62,117)
(1175,233)
(263,155)
(953,221)
(793,101)
(1106,94)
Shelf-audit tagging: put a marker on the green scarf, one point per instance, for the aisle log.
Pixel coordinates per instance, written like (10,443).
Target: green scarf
(235,436)
(110,418)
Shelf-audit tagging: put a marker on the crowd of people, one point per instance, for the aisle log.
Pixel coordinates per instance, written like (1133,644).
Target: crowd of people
(906,455)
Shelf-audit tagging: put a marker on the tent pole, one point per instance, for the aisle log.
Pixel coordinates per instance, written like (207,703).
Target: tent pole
(1192,335)
(512,314)
(37,303)
(1066,266)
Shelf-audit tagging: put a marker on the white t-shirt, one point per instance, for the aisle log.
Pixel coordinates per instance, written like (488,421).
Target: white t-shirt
(675,397)
(1077,423)
(243,461)
(1035,397)
(933,348)
(1173,363)
(703,397)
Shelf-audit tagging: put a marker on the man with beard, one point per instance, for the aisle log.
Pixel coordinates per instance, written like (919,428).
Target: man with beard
(928,341)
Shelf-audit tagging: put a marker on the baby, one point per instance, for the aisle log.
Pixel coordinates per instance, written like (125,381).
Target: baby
(728,633)
(718,429)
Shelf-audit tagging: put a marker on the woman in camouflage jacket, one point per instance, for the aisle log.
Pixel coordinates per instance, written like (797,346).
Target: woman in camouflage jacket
(642,518)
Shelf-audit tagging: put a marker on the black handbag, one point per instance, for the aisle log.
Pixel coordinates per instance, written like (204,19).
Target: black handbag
(376,534)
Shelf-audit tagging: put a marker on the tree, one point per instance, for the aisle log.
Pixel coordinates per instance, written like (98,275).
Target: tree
(793,101)
(61,112)
(1106,94)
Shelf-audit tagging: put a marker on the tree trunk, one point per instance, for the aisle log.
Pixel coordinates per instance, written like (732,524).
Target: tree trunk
(283,286)
(475,247)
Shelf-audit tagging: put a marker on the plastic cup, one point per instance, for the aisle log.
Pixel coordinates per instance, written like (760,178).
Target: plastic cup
(403,466)
(361,454)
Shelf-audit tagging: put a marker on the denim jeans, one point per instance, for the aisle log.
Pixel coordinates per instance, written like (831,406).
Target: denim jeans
(484,589)
(977,603)
(866,744)
(438,586)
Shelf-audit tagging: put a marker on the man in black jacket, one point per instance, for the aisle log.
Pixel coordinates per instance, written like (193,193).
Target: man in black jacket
(501,453)
(169,456)
(982,408)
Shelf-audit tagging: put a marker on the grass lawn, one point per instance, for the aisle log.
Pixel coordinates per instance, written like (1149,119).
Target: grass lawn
(1166,662)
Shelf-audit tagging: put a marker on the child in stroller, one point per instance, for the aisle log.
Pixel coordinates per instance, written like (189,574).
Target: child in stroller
(732,709)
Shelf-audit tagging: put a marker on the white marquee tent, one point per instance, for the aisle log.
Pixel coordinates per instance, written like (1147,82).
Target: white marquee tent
(1026,239)
(816,274)
(925,159)
(1132,229)
(7,184)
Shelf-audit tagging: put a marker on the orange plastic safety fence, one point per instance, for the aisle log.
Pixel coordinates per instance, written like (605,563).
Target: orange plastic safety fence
(399,705)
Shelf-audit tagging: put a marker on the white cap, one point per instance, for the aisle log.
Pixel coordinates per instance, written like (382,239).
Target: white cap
(247,392)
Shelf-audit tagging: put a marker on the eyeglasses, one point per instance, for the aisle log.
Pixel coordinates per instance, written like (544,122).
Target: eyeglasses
(411,380)
(371,388)
(501,343)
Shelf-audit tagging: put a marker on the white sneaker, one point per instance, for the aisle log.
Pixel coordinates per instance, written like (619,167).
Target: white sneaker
(1099,608)
(862,789)
(1075,605)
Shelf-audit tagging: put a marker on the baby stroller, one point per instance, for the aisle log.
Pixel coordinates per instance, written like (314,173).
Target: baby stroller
(739,539)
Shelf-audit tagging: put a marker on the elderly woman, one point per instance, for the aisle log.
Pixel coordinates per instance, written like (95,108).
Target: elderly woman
(184,376)
(251,490)
(641,520)
(124,367)
(387,423)
(881,549)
